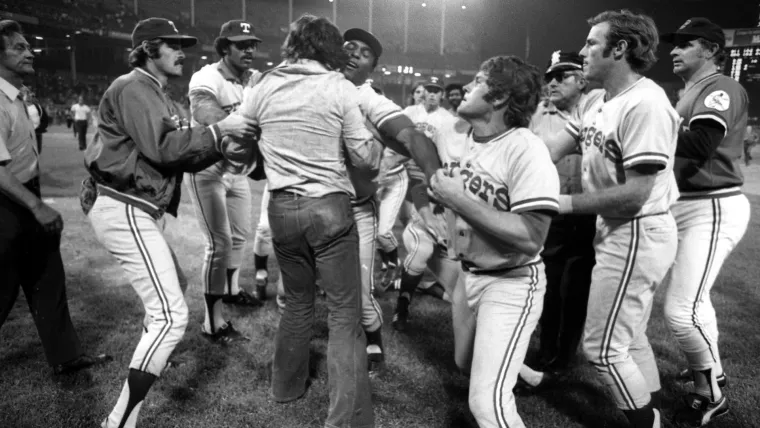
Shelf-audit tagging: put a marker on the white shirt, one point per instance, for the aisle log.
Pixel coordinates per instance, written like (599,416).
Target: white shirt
(80,111)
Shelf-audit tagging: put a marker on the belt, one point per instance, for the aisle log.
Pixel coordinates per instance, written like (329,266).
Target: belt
(285,194)
(473,269)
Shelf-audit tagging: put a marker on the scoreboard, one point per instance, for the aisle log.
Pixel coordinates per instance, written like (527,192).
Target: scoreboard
(743,65)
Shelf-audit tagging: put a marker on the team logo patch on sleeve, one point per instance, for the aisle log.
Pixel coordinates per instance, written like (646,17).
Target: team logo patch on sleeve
(718,100)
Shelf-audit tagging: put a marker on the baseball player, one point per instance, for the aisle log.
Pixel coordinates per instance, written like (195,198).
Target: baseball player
(222,200)
(712,214)
(627,133)
(136,167)
(503,196)
(454,93)
(386,120)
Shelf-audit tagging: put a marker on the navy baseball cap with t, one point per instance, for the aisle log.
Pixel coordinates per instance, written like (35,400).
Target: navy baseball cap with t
(238,31)
(366,37)
(434,82)
(697,28)
(159,28)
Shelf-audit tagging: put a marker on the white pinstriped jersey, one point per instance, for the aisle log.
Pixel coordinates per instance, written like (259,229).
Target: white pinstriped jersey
(218,80)
(378,111)
(637,127)
(511,172)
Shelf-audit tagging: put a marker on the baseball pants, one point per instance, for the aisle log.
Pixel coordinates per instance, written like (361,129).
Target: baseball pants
(632,258)
(494,316)
(424,254)
(262,242)
(136,240)
(80,130)
(708,230)
(390,196)
(365,216)
(222,203)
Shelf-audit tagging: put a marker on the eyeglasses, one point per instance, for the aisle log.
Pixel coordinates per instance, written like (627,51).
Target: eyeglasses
(560,76)
(245,45)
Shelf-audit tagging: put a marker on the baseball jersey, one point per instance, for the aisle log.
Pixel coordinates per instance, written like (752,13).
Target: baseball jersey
(637,127)
(512,172)
(723,100)
(218,80)
(429,124)
(547,121)
(382,117)
(80,111)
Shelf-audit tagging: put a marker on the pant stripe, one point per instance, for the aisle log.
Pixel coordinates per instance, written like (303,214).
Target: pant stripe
(208,260)
(615,311)
(404,179)
(371,267)
(501,417)
(714,236)
(130,212)
(415,247)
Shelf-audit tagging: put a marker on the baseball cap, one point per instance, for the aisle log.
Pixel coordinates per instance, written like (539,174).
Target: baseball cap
(563,61)
(238,30)
(159,28)
(433,82)
(366,37)
(695,28)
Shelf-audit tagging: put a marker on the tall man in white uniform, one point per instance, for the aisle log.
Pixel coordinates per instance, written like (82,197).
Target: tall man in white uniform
(222,199)
(627,133)
(503,198)
(712,214)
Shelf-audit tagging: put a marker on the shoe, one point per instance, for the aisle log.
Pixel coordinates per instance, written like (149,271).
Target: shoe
(81,362)
(522,387)
(375,359)
(261,285)
(686,376)
(391,276)
(436,290)
(226,335)
(243,298)
(698,410)
(401,314)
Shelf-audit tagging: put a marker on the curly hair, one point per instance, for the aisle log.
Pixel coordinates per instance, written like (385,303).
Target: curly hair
(519,82)
(637,30)
(220,45)
(315,38)
(139,55)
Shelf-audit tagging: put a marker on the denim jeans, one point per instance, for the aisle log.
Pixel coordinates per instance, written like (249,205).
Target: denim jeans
(318,236)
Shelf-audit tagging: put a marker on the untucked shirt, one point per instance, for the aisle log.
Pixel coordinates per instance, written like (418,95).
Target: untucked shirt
(18,143)
(310,123)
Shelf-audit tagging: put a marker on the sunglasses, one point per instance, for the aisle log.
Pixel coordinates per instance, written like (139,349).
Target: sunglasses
(560,76)
(245,45)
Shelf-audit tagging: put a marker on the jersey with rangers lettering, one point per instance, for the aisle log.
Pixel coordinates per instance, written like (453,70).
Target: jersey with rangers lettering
(723,100)
(637,127)
(383,117)
(219,80)
(512,172)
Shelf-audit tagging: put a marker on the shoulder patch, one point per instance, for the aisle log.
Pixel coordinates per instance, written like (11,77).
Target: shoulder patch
(718,100)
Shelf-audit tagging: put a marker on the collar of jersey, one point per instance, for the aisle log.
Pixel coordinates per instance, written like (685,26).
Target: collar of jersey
(636,83)
(8,89)
(151,76)
(491,138)
(225,71)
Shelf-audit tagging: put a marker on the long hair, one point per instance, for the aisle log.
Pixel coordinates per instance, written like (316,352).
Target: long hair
(720,55)
(639,32)
(139,55)
(315,38)
(519,82)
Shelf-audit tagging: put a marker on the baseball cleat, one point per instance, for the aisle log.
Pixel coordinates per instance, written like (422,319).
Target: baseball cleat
(685,375)
(243,298)
(375,359)
(226,335)
(81,362)
(698,410)
(401,314)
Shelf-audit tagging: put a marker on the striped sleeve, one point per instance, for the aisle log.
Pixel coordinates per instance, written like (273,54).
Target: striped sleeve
(202,80)
(383,113)
(532,179)
(722,100)
(648,133)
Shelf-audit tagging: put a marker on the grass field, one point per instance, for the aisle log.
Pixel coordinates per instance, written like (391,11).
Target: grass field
(216,387)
